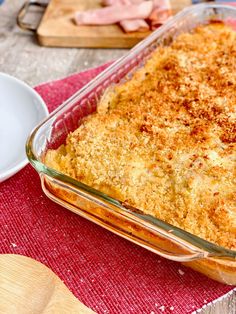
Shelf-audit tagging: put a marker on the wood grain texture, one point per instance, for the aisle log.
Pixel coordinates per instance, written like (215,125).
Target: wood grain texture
(58,28)
(22,57)
(29,287)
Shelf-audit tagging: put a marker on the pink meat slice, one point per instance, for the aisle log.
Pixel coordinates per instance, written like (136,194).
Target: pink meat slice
(136,25)
(160,17)
(162,4)
(128,26)
(114,14)
(160,14)
(123,2)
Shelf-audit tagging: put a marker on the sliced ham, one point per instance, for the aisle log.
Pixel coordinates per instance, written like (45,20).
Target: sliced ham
(114,14)
(123,2)
(129,26)
(159,17)
(136,25)
(160,14)
(162,4)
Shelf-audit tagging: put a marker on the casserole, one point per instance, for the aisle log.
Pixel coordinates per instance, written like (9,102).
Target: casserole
(152,233)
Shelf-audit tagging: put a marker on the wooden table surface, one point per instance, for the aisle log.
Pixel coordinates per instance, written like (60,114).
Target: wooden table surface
(22,57)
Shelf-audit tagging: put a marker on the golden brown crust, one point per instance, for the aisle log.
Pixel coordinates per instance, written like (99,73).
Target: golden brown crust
(165,140)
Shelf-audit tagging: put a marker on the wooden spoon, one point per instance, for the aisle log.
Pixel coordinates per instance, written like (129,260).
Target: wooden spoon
(29,287)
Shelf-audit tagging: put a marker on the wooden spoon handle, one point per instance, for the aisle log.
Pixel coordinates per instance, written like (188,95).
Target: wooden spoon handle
(29,287)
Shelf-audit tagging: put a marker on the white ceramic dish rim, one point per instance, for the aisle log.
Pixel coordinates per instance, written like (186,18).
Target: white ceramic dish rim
(5,174)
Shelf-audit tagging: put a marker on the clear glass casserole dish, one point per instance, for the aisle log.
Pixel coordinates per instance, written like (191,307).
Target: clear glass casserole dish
(159,237)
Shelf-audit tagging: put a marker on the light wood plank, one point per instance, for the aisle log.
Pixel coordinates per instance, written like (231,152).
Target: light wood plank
(27,286)
(58,28)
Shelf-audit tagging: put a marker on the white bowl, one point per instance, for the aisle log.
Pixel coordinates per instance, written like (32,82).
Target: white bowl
(21,109)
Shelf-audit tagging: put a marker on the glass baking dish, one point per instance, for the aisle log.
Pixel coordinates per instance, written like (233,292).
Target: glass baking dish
(159,237)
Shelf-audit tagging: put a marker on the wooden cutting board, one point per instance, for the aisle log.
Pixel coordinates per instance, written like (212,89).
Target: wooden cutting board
(58,29)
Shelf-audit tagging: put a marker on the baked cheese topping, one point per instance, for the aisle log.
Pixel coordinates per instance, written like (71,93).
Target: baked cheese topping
(165,141)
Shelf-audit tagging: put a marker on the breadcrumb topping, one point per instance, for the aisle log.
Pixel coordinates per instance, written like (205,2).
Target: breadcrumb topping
(165,140)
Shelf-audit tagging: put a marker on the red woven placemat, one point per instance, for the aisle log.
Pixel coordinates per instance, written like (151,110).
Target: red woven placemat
(107,273)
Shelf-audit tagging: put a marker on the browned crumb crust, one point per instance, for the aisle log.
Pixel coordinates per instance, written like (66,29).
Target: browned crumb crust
(165,140)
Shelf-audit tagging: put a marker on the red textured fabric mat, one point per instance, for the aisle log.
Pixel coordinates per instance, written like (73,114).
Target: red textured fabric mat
(107,273)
